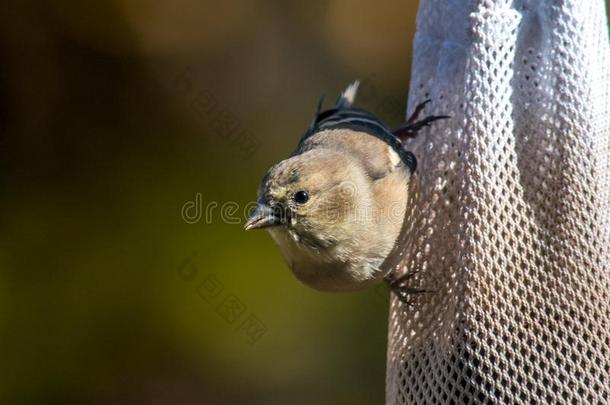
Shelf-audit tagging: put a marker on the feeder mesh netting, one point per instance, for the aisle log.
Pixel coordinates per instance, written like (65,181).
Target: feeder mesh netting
(510,226)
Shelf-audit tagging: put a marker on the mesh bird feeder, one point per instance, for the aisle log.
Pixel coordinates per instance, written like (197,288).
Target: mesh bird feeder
(511,224)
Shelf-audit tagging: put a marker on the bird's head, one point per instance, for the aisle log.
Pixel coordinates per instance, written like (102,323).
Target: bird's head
(319,198)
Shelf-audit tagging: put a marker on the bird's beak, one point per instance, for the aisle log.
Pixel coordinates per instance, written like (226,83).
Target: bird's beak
(262,217)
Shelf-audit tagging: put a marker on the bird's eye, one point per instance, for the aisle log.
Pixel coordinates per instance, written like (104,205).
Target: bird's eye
(301,197)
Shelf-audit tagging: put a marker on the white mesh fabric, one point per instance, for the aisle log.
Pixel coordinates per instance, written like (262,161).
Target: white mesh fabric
(511,222)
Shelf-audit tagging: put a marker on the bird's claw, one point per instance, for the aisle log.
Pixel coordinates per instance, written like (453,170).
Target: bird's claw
(412,126)
(403,292)
(418,109)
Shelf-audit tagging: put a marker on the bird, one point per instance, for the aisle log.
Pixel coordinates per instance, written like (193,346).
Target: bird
(336,205)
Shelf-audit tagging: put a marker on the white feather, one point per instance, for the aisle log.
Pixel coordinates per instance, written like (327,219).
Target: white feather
(349,95)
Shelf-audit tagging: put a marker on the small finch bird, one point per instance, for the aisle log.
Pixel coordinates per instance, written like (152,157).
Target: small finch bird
(336,206)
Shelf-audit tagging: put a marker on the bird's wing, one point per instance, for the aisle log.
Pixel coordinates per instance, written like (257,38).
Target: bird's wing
(358,122)
(376,157)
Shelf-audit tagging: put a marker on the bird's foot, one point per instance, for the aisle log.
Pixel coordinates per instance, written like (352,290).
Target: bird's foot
(403,292)
(412,125)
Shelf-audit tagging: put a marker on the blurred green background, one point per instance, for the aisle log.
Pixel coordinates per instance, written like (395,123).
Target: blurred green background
(116,114)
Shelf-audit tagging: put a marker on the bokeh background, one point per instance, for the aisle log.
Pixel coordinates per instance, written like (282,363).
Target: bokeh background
(118,119)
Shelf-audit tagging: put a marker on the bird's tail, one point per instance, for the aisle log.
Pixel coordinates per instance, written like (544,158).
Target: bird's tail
(346,99)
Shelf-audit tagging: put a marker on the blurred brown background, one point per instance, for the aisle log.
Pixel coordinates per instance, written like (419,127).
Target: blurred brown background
(113,116)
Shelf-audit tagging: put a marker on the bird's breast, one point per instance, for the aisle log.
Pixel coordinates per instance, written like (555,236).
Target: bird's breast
(324,269)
